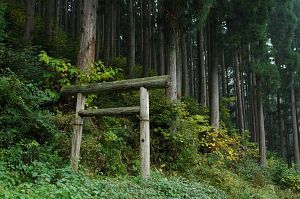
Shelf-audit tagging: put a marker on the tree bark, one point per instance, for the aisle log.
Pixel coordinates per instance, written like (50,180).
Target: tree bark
(201,66)
(178,66)
(161,53)
(214,77)
(48,21)
(185,83)
(131,39)
(239,106)
(107,34)
(262,133)
(29,27)
(295,129)
(172,91)
(87,50)
(146,39)
(85,58)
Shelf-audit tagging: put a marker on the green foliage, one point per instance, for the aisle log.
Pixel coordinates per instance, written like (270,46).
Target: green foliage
(62,44)
(245,180)
(225,115)
(269,75)
(15,18)
(61,73)
(23,62)
(249,170)
(21,115)
(287,178)
(2,20)
(65,184)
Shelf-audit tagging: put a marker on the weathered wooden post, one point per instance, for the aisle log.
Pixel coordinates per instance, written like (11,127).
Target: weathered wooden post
(144,133)
(77,132)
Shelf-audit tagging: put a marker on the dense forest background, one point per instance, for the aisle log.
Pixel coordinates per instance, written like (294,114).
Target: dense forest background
(228,127)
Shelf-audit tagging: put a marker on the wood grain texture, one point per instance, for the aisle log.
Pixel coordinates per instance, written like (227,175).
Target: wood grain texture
(144,134)
(110,111)
(122,85)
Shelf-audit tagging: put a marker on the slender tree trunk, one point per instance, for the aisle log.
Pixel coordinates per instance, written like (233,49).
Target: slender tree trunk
(73,20)
(223,75)
(185,84)
(161,53)
(214,77)
(262,134)
(66,11)
(78,18)
(191,73)
(202,69)
(118,31)
(286,128)
(295,129)
(141,34)
(131,39)
(146,37)
(113,30)
(280,126)
(107,35)
(256,112)
(48,22)
(29,27)
(178,66)
(238,94)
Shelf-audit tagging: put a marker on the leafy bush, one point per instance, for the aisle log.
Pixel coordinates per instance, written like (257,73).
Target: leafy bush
(61,73)
(23,62)
(21,115)
(287,178)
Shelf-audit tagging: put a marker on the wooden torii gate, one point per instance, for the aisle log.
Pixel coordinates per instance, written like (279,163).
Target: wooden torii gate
(142,84)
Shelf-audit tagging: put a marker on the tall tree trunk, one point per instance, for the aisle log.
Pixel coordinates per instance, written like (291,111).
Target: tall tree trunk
(146,38)
(85,58)
(29,27)
(201,66)
(223,75)
(113,30)
(280,127)
(239,106)
(295,129)
(131,39)
(141,34)
(161,53)
(78,18)
(262,134)
(214,77)
(178,66)
(286,128)
(107,34)
(172,90)
(73,20)
(87,50)
(66,21)
(118,31)
(48,22)
(185,84)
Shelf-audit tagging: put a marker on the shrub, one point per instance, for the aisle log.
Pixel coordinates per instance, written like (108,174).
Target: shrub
(21,115)
(23,62)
